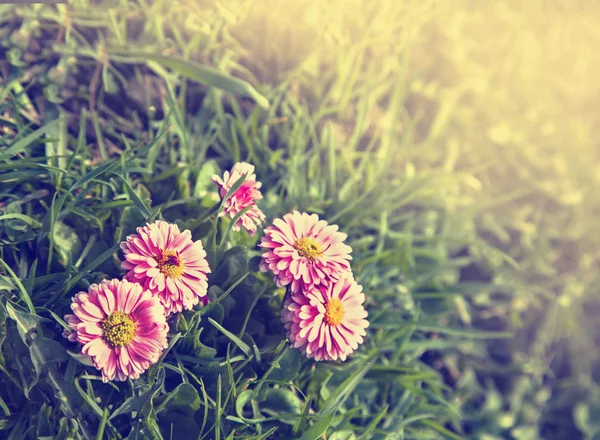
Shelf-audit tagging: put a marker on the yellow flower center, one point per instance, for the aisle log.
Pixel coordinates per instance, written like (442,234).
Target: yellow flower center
(334,312)
(308,248)
(170,264)
(119,329)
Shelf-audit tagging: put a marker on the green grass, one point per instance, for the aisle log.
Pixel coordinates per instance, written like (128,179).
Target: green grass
(459,160)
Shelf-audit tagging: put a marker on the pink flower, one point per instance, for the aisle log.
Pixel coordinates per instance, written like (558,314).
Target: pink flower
(244,197)
(304,251)
(121,326)
(168,263)
(327,323)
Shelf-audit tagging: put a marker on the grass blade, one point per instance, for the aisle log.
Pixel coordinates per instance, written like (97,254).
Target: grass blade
(205,75)
(237,341)
(24,142)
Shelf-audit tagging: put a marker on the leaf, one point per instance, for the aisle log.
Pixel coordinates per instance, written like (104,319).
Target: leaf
(203,179)
(24,218)
(192,344)
(243,399)
(184,399)
(375,422)
(237,341)
(96,172)
(65,432)
(24,295)
(441,429)
(232,252)
(342,392)
(67,243)
(46,351)
(26,322)
(4,407)
(137,403)
(176,425)
(237,185)
(83,359)
(26,141)
(334,402)
(280,400)
(289,367)
(132,217)
(232,223)
(214,311)
(138,202)
(319,428)
(460,332)
(44,428)
(210,77)
(6,284)
(342,435)
(2,330)
(253,263)
(208,310)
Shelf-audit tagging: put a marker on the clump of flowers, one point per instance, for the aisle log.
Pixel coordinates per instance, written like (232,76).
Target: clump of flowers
(323,310)
(168,263)
(244,197)
(121,326)
(327,323)
(303,252)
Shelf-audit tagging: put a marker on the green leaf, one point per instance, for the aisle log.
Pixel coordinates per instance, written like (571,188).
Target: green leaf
(238,183)
(344,390)
(334,402)
(83,359)
(137,403)
(203,179)
(65,431)
(342,435)
(26,322)
(44,428)
(6,284)
(139,203)
(289,367)
(192,344)
(237,341)
(96,172)
(281,400)
(210,77)
(176,425)
(22,290)
(232,223)
(184,398)
(29,220)
(460,332)
(316,431)
(67,243)
(243,399)
(46,351)
(26,141)
(375,422)
(132,217)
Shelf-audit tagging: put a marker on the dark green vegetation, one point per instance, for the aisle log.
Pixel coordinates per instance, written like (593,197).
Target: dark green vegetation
(457,148)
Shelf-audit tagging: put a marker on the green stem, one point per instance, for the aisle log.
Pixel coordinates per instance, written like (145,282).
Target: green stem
(100,434)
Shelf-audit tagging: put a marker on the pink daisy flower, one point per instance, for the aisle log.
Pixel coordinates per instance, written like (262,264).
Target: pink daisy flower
(245,196)
(327,323)
(168,263)
(304,251)
(121,326)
